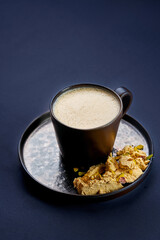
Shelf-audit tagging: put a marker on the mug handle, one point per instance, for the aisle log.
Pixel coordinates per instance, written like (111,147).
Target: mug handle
(126,97)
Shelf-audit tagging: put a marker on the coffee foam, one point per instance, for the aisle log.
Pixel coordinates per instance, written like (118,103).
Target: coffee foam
(86,107)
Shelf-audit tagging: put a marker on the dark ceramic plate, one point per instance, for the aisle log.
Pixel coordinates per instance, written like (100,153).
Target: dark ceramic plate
(39,156)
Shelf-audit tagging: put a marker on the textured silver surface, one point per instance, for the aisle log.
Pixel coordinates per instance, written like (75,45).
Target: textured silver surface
(41,154)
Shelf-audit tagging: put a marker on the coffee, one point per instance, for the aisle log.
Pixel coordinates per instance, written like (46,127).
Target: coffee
(86,107)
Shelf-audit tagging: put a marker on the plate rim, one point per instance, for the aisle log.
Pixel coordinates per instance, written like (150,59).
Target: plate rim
(107,196)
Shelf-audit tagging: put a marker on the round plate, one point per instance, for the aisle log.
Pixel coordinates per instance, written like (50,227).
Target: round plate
(39,156)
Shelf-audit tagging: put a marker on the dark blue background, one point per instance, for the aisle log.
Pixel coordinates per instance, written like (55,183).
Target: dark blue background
(48,45)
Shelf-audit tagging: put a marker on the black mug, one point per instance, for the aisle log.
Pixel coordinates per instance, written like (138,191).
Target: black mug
(86,147)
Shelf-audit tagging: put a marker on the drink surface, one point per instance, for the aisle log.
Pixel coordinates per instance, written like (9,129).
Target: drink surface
(86,107)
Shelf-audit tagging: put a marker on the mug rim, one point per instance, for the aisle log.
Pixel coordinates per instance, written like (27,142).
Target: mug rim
(71,87)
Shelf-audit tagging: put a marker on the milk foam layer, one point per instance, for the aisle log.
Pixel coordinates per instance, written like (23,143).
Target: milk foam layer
(86,107)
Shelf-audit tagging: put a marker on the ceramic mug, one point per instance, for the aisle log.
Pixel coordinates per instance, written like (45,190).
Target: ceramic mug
(86,147)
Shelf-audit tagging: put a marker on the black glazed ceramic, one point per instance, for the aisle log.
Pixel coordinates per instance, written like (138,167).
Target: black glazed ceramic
(45,172)
(86,147)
